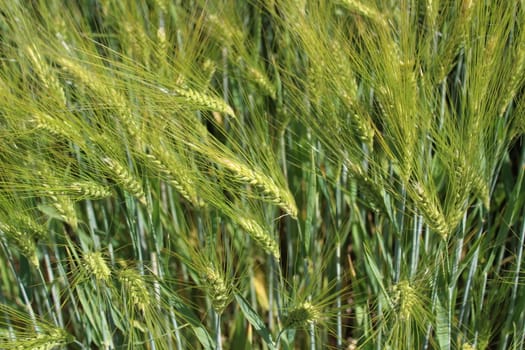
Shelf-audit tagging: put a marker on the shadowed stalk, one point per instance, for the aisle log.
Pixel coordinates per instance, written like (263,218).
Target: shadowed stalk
(341,182)
(23,291)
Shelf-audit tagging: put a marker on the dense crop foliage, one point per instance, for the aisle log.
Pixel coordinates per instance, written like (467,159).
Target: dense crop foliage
(264,174)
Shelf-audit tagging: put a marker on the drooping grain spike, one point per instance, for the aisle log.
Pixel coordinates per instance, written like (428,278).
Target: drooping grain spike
(90,189)
(135,288)
(204,101)
(260,236)
(182,183)
(125,179)
(431,211)
(274,193)
(46,75)
(21,240)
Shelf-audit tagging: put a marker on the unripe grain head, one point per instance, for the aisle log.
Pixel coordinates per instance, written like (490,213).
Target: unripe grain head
(97,266)
(217,289)
(135,288)
(124,178)
(260,236)
(301,315)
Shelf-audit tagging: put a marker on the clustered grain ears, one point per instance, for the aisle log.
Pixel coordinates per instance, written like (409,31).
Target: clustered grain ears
(111,95)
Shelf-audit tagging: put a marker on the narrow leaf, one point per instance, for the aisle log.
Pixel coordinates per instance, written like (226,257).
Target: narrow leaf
(256,321)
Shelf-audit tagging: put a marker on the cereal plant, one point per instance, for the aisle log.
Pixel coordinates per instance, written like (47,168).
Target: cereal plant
(262,174)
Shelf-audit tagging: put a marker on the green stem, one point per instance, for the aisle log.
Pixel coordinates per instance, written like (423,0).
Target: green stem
(418,225)
(338,267)
(470,278)
(397,241)
(218,335)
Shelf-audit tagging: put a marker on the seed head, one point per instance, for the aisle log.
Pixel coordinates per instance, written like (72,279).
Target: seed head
(217,289)
(97,266)
(301,315)
(135,288)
